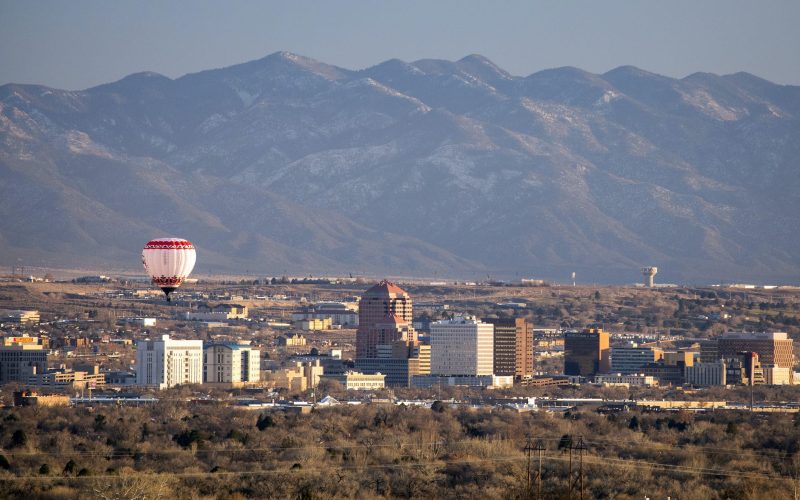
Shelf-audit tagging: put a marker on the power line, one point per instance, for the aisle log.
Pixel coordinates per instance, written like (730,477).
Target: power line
(688,447)
(601,461)
(590,460)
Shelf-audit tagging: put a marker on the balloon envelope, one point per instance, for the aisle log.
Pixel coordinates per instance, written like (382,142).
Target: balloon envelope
(168,261)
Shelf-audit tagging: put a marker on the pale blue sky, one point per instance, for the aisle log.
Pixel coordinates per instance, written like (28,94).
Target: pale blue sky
(82,43)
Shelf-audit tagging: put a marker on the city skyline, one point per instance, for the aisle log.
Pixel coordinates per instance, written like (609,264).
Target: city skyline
(436,243)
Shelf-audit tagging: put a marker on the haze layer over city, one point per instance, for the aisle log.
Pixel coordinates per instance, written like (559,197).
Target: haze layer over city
(418,250)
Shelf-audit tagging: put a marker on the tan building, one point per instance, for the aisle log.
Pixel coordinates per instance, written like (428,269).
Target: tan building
(24,317)
(419,360)
(777,375)
(587,353)
(513,347)
(315,324)
(219,312)
(23,340)
(294,340)
(68,380)
(299,376)
(32,398)
(355,381)
(677,357)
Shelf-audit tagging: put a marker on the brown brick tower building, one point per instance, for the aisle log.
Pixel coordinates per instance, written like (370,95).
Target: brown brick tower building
(384,317)
(513,347)
(386,341)
(773,348)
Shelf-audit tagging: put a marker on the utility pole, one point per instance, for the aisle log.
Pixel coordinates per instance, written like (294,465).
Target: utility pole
(528,448)
(539,450)
(580,449)
(569,473)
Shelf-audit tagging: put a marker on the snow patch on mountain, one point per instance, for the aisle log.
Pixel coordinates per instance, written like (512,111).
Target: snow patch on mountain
(80,143)
(703,101)
(460,166)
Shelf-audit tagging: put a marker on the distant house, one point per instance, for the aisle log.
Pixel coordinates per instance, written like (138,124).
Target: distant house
(295,340)
(339,313)
(206,312)
(314,324)
(299,375)
(20,317)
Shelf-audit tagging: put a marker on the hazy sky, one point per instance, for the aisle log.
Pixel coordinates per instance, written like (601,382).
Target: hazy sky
(80,43)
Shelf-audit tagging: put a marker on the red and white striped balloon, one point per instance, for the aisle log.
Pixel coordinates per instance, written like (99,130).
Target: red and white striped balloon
(168,261)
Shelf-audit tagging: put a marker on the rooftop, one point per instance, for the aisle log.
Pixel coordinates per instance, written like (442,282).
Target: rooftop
(755,335)
(384,289)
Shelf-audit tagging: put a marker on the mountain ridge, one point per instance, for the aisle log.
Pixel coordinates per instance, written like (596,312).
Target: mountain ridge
(421,167)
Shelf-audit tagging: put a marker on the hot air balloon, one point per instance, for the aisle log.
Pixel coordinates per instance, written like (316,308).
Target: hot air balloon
(168,261)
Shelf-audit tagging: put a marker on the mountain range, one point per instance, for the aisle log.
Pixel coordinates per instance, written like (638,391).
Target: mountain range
(431,168)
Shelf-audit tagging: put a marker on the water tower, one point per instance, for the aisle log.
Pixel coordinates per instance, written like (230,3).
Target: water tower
(649,273)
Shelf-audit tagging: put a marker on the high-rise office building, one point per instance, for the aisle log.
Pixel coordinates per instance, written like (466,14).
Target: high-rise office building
(632,358)
(386,341)
(773,348)
(168,362)
(513,347)
(384,317)
(463,345)
(586,353)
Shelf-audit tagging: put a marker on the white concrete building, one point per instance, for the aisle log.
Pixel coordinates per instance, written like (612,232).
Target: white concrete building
(231,363)
(432,381)
(628,380)
(706,374)
(355,381)
(463,345)
(167,362)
